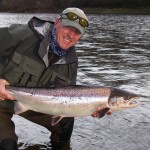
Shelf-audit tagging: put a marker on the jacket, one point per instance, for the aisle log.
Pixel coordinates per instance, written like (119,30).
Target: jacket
(24,58)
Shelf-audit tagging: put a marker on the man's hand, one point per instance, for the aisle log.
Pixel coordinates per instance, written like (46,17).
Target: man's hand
(100,112)
(3,93)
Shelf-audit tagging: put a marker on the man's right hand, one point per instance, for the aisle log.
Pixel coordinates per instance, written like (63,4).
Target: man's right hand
(3,93)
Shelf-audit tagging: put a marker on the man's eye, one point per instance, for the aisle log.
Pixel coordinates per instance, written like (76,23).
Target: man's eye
(77,31)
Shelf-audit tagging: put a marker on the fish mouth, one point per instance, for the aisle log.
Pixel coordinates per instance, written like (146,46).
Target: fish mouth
(132,103)
(123,102)
(129,102)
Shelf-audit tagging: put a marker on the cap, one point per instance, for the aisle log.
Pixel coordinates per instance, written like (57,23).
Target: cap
(78,12)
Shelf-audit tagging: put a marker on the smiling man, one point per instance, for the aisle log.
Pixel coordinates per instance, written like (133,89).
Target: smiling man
(39,54)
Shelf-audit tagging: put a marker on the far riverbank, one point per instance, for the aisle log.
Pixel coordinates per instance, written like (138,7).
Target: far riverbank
(90,10)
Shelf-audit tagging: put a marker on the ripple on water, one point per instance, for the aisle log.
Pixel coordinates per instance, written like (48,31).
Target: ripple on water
(114,52)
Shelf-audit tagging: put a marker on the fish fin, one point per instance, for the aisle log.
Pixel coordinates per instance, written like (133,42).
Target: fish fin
(56,119)
(19,108)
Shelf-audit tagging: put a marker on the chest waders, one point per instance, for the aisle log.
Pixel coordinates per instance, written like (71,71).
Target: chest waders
(24,71)
(27,69)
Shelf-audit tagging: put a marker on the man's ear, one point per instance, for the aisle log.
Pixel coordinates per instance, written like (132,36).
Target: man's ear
(56,21)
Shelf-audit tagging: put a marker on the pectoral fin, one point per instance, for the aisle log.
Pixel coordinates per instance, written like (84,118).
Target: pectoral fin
(55,120)
(19,108)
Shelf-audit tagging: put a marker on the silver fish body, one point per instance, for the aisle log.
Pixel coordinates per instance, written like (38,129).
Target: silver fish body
(71,101)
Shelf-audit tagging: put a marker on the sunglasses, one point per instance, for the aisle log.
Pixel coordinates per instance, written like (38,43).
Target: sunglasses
(71,16)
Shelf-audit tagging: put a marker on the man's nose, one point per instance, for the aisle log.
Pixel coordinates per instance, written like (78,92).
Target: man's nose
(71,32)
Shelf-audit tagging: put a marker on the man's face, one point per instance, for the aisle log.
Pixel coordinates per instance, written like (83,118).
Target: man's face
(66,36)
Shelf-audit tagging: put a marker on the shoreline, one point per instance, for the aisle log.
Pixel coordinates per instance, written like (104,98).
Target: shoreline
(131,11)
(134,11)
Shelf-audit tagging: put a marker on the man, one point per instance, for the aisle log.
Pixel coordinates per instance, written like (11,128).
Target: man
(39,54)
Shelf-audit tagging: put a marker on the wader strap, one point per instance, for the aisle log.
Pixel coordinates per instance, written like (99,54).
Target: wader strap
(25,78)
(51,78)
(62,80)
(59,80)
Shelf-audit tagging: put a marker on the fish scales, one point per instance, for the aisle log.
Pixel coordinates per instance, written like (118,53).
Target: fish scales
(71,101)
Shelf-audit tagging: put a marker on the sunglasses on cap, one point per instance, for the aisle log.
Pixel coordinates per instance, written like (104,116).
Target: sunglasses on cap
(72,16)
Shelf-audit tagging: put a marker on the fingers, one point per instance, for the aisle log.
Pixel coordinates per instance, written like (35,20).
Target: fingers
(100,112)
(95,114)
(109,113)
(3,93)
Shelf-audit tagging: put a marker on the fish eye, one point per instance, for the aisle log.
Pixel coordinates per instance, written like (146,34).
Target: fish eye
(113,101)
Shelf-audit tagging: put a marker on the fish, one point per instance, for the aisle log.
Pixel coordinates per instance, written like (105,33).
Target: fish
(71,101)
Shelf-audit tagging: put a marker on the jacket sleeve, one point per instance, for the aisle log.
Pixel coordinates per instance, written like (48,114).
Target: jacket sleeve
(11,37)
(8,41)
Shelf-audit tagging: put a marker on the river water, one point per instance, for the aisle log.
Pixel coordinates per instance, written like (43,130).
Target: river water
(115,51)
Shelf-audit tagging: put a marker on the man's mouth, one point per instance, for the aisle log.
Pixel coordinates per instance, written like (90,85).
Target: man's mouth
(68,40)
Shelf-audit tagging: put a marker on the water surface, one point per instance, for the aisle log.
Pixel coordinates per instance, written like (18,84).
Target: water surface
(115,51)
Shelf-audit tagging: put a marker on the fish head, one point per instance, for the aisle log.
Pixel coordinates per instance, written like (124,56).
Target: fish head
(120,99)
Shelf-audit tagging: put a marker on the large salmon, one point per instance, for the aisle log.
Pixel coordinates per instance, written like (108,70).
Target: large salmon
(71,101)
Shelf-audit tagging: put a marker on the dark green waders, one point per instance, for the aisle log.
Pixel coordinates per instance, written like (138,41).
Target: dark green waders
(8,138)
(60,133)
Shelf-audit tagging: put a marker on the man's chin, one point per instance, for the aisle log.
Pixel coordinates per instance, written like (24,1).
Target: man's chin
(65,48)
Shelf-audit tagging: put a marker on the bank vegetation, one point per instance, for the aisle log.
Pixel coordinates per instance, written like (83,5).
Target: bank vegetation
(90,6)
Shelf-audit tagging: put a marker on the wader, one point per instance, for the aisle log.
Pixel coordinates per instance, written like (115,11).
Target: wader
(25,68)
(60,133)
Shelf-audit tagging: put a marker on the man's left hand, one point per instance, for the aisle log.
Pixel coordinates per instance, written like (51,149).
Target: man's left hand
(100,112)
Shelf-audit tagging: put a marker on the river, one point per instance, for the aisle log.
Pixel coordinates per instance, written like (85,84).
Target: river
(115,51)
